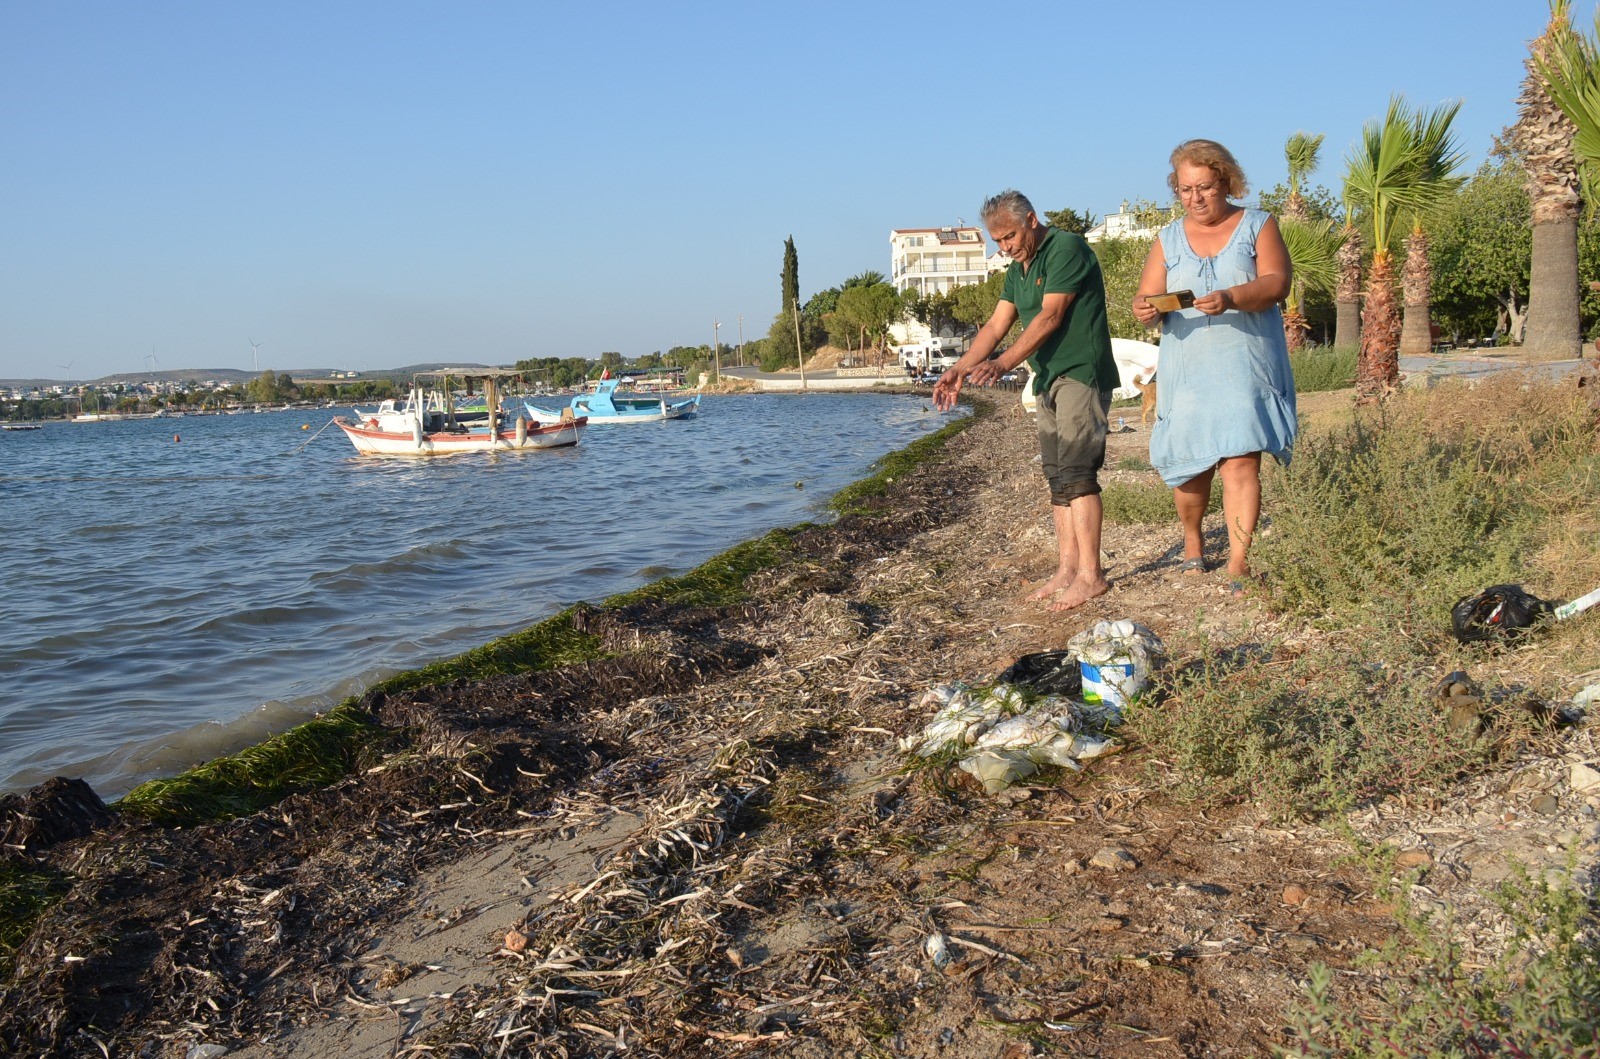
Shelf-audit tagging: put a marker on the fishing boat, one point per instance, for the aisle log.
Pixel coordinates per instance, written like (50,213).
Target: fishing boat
(605,405)
(426,424)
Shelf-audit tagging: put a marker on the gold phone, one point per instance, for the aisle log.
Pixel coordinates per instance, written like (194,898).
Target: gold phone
(1171,301)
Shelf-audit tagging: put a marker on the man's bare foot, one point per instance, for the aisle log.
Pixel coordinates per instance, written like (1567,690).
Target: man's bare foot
(1048,589)
(1081,591)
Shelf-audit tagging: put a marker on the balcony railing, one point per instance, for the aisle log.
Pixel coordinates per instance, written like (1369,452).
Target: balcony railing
(928,267)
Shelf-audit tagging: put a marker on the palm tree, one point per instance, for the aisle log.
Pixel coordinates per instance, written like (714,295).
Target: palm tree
(1546,133)
(1572,79)
(1314,248)
(868,278)
(1347,294)
(1438,159)
(1388,176)
(1301,152)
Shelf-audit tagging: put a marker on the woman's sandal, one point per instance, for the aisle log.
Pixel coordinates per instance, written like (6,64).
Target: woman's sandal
(1240,587)
(1196,565)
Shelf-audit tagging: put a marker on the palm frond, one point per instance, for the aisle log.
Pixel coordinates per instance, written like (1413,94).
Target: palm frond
(1301,152)
(1405,164)
(1313,252)
(1375,176)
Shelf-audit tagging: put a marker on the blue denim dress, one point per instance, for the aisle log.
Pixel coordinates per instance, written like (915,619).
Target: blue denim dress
(1224,384)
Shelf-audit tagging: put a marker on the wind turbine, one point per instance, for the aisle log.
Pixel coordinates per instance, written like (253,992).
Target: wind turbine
(254,345)
(150,362)
(67,367)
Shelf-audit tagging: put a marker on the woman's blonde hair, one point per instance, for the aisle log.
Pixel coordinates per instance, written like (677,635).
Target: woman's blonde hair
(1213,156)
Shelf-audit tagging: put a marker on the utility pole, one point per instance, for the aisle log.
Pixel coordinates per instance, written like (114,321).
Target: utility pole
(741,340)
(716,352)
(799,353)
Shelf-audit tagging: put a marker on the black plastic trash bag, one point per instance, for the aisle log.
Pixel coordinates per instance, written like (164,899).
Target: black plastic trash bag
(1498,612)
(1048,672)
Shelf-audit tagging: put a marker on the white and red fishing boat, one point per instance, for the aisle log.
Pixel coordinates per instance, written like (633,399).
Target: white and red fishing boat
(427,423)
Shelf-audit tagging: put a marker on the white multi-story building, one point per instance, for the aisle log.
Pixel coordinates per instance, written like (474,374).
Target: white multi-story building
(935,260)
(1119,225)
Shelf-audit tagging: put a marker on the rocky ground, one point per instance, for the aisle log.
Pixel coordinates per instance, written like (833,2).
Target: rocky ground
(708,844)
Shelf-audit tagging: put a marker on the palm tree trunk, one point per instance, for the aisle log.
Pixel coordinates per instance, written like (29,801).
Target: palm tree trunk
(1416,331)
(1294,329)
(1545,136)
(1347,298)
(1378,366)
(1551,329)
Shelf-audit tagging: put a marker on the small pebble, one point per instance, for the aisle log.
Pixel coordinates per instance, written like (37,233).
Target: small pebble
(1294,894)
(1113,858)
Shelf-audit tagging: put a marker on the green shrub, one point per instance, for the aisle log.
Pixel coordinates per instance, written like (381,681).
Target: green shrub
(1127,504)
(1428,498)
(1324,368)
(1306,735)
(1539,998)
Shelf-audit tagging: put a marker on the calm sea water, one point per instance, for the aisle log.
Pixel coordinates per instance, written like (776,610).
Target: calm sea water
(172,600)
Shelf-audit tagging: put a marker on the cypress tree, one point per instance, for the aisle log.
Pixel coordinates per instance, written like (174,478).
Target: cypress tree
(791,275)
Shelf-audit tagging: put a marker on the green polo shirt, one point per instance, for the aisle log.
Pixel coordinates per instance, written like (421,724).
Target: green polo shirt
(1081,346)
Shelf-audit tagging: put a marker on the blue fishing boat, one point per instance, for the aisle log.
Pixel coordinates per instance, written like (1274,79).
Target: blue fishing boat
(605,405)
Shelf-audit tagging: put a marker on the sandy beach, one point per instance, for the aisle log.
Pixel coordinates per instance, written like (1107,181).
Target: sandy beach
(707,842)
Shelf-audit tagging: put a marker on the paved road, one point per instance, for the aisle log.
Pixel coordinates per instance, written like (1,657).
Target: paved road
(1468,364)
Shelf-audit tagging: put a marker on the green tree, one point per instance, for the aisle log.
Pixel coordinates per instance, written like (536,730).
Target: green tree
(974,303)
(869,311)
(1481,245)
(790,277)
(1070,220)
(781,349)
(611,360)
(937,310)
(821,303)
(1121,265)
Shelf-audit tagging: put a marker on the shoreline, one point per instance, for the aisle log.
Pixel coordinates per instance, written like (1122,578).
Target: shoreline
(699,838)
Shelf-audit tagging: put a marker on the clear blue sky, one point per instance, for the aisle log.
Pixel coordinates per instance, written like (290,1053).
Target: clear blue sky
(367,185)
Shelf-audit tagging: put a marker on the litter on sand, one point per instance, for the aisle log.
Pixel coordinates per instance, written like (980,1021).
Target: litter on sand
(1001,739)
(1116,659)
(1007,732)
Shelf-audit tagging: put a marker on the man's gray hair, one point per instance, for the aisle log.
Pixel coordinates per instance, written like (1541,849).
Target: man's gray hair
(1010,201)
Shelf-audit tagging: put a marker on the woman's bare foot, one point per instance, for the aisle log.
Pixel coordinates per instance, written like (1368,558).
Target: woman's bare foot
(1081,591)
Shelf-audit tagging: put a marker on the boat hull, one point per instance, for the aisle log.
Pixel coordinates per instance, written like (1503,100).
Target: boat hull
(640,412)
(375,441)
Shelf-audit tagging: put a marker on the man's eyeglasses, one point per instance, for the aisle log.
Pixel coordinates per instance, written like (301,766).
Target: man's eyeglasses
(1197,189)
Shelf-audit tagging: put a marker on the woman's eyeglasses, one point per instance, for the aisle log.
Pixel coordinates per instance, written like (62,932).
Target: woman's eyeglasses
(1197,189)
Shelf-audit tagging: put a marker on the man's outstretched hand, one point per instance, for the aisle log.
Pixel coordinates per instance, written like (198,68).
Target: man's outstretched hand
(946,390)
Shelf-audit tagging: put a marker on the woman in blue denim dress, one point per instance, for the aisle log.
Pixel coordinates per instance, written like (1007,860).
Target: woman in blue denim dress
(1225,393)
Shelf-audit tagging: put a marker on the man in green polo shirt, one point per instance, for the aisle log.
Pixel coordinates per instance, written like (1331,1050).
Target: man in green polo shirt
(1054,287)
